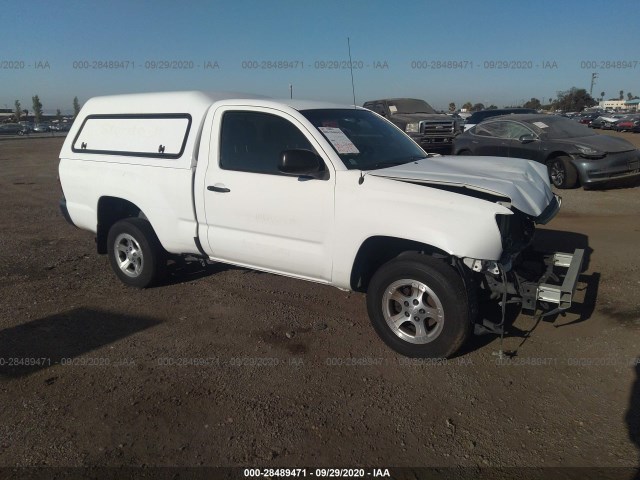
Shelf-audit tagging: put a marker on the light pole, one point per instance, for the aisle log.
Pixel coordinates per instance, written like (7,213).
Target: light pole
(594,75)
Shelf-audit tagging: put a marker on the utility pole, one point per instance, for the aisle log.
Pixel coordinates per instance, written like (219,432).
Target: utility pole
(594,75)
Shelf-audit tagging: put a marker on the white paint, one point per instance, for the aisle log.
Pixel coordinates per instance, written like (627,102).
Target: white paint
(310,229)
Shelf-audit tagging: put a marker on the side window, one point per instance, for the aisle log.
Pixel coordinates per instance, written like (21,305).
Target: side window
(378,108)
(515,130)
(254,142)
(492,129)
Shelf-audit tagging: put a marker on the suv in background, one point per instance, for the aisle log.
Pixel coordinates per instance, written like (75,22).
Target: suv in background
(428,128)
(477,117)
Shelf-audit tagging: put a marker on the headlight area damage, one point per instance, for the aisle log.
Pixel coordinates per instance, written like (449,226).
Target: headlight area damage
(521,275)
(535,280)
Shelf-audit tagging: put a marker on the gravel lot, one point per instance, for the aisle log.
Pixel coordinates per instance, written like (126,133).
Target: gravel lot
(230,367)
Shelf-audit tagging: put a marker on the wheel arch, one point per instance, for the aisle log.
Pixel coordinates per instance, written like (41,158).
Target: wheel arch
(464,151)
(377,250)
(560,153)
(109,211)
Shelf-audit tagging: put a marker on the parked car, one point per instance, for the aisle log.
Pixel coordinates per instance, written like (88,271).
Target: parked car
(627,123)
(13,129)
(477,117)
(611,120)
(574,154)
(587,118)
(605,122)
(41,128)
(317,192)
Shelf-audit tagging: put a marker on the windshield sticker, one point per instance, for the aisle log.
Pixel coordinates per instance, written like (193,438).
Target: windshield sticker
(339,140)
(393,108)
(541,125)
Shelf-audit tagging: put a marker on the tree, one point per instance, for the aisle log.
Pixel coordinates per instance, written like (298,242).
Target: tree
(621,95)
(477,107)
(76,107)
(629,96)
(467,106)
(37,108)
(574,100)
(492,107)
(58,115)
(452,107)
(601,95)
(18,111)
(533,103)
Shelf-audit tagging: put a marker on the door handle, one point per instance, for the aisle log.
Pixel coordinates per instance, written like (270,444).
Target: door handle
(217,188)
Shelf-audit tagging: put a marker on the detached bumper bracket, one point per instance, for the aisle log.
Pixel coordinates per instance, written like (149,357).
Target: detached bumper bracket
(562,295)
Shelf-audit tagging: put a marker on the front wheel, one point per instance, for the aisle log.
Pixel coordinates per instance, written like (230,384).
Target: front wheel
(418,306)
(135,253)
(562,172)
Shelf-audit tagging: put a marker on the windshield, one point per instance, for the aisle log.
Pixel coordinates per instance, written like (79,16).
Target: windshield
(560,127)
(363,140)
(410,105)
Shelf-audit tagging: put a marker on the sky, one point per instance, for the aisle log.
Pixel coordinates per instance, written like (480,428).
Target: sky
(500,52)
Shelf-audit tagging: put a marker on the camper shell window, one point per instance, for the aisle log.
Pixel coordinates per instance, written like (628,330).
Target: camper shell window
(136,135)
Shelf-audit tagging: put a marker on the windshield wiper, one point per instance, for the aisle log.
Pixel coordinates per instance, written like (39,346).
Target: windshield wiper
(378,165)
(395,164)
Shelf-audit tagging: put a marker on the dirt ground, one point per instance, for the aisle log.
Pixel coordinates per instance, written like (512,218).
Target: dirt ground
(229,367)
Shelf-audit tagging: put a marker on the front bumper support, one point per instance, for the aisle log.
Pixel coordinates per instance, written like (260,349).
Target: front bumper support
(558,293)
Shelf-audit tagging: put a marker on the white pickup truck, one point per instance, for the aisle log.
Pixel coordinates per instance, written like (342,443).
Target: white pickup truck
(328,193)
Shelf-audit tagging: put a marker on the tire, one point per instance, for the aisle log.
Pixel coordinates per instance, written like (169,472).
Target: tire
(562,173)
(430,295)
(20,133)
(135,253)
(465,152)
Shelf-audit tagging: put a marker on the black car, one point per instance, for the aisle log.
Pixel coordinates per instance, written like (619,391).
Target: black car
(477,117)
(13,129)
(573,153)
(587,118)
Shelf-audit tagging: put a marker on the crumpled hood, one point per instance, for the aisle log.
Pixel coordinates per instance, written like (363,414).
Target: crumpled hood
(524,182)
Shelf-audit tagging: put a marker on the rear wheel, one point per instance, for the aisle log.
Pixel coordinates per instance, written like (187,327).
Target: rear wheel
(418,306)
(562,172)
(135,253)
(465,152)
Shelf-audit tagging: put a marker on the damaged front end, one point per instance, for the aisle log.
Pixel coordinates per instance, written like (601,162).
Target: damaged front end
(533,279)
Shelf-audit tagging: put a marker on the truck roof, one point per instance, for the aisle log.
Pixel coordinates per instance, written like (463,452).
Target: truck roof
(187,102)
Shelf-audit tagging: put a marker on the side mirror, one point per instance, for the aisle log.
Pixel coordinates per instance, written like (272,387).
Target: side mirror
(527,138)
(301,163)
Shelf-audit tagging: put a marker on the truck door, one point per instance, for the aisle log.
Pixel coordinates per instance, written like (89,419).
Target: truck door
(257,216)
